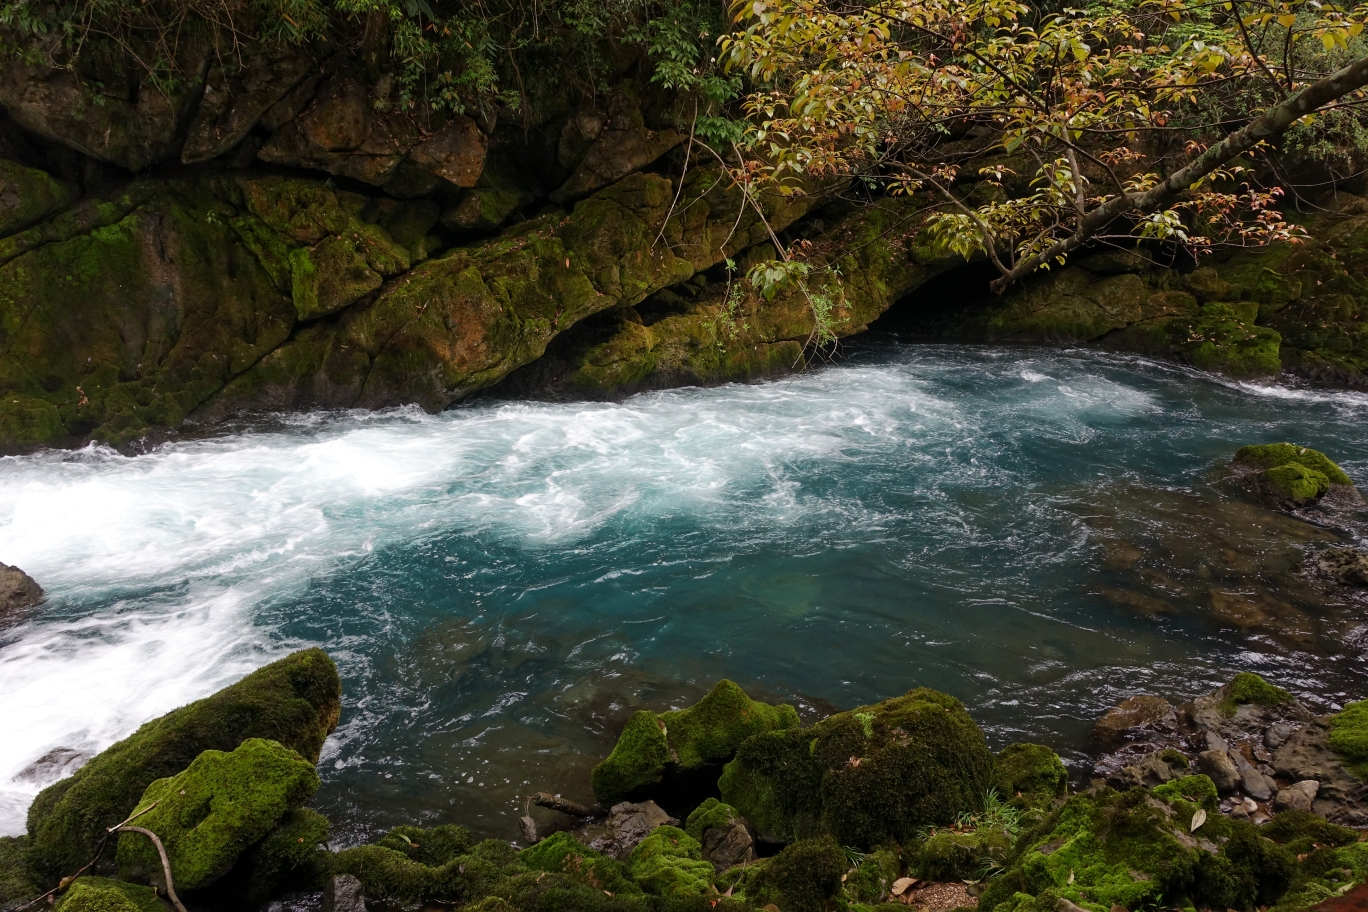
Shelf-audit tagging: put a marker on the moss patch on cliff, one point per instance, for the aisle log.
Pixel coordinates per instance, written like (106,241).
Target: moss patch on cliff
(866,776)
(669,862)
(294,701)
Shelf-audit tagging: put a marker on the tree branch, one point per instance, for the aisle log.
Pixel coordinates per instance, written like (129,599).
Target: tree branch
(1267,125)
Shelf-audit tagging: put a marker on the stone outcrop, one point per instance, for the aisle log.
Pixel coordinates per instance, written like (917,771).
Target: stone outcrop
(18,594)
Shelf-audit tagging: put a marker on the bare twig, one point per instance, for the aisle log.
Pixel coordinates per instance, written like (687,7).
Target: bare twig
(166,863)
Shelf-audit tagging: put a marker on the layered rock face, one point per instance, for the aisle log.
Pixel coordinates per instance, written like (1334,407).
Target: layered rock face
(280,231)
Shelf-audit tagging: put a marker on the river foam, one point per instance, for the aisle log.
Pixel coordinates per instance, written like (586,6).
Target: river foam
(506,580)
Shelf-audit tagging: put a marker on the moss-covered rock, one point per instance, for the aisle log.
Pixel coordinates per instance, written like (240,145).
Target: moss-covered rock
(1288,474)
(563,854)
(866,776)
(872,880)
(1031,772)
(291,857)
(1349,737)
(1249,688)
(804,877)
(17,882)
(294,701)
(669,862)
(1139,848)
(100,894)
(28,195)
(706,734)
(211,813)
(954,854)
(412,865)
(1223,338)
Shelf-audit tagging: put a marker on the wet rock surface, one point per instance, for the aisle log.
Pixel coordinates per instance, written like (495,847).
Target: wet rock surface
(19,594)
(1263,751)
(623,829)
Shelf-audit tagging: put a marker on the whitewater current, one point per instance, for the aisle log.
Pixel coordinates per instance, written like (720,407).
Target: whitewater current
(503,583)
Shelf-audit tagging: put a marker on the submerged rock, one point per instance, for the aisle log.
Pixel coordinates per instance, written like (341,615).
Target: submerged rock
(18,594)
(1347,565)
(864,776)
(706,734)
(294,701)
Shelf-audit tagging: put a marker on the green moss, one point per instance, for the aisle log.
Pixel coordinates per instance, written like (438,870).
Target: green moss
(925,763)
(433,847)
(99,894)
(669,862)
(1248,688)
(294,701)
(386,874)
(804,877)
(1326,873)
(1349,737)
(1249,871)
(962,855)
(1198,789)
(1301,831)
(210,814)
(638,759)
(1223,338)
(706,734)
(709,815)
(291,857)
(26,422)
(563,854)
(872,880)
(16,876)
(1273,455)
(1032,772)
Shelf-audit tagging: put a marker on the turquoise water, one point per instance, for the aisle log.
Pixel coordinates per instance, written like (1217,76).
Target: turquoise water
(501,585)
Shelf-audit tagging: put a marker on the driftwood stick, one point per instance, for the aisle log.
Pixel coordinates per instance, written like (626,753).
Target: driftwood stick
(166,863)
(557,803)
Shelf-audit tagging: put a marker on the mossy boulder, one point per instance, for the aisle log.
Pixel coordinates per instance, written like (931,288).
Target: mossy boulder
(211,813)
(294,701)
(1030,772)
(669,862)
(866,776)
(872,880)
(1349,737)
(561,853)
(17,882)
(955,854)
(1288,474)
(412,865)
(706,734)
(1248,688)
(804,877)
(292,857)
(100,894)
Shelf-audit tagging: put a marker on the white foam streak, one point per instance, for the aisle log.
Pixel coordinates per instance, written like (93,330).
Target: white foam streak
(158,566)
